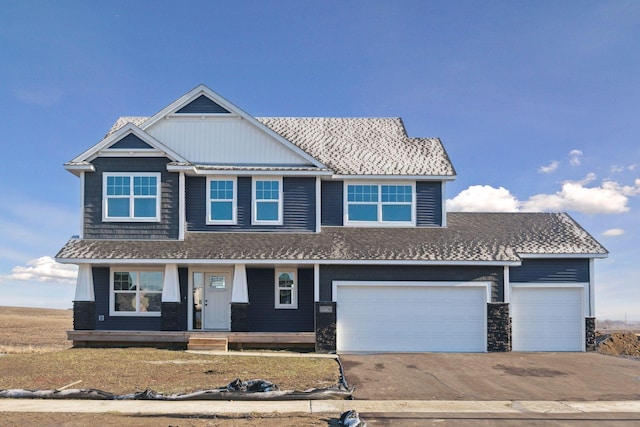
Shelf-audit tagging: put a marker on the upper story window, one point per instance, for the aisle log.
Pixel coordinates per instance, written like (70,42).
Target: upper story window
(379,204)
(136,292)
(131,197)
(221,206)
(267,201)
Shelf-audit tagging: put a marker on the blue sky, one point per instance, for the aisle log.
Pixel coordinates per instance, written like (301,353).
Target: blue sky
(535,101)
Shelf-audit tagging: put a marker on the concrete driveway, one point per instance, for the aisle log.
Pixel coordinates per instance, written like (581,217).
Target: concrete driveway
(493,376)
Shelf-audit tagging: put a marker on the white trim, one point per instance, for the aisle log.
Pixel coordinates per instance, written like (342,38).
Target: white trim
(318,204)
(294,289)
(130,269)
(254,201)
(131,152)
(171,284)
(185,261)
(443,203)
(82,189)
(379,204)
(583,255)
(592,283)
(239,290)
(438,284)
(84,284)
(234,201)
(316,282)
(395,177)
(506,285)
(182,209)
(199,170)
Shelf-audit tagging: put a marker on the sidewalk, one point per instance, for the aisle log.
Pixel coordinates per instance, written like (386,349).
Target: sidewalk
(208,407)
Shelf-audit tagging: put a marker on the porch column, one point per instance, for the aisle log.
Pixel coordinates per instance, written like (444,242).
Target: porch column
(239,300)
(171,308)
(84,306)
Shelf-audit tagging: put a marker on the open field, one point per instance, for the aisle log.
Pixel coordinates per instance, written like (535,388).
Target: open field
(34,330)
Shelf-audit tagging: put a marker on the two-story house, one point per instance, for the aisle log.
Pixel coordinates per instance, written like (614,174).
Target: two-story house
(330,231)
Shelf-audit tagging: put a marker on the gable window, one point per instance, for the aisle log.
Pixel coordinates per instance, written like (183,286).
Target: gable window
(377,204)
(221,206)
(267,201)
(286,289)
(131,197)
(136,292)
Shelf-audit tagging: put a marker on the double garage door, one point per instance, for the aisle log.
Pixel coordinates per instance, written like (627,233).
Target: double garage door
(411,316)
(547,318)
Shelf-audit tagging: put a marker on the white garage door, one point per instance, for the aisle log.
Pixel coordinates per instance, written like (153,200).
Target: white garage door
(385,317)
(547,318)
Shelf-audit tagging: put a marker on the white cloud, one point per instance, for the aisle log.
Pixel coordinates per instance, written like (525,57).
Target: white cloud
(551,167)
(609,197)
(43,269)
(483,198)
(575,157)
(612,232)
(41,97)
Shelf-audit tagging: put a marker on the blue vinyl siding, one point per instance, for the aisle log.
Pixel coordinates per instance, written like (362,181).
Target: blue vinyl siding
(131,141)
(550,271)
(299,206)
(202,105)
(428,203)
(167,228)
(332,203)
(262,314)
(329,273)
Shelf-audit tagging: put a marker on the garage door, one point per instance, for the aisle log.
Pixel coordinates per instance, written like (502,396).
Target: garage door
(384,317)
(547,318)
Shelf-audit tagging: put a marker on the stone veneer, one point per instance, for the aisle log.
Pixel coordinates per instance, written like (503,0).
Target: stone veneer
(498,327)
(326,327)
(84,315)
(239,317)
(590,333)
(170,316)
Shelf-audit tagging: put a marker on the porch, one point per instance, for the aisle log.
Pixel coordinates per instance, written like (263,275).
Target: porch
(194,340)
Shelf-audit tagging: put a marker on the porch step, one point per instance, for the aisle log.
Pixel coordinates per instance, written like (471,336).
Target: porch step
(208,343)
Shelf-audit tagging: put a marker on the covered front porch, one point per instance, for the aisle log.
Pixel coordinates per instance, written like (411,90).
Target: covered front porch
(194,340)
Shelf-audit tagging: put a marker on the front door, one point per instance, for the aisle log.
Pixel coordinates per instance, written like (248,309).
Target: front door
(217,301)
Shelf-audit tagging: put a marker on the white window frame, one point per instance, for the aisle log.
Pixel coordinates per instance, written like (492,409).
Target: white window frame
(131,197)
(112,291)
(254,201)
(379,204)
(234,201)
(294,289)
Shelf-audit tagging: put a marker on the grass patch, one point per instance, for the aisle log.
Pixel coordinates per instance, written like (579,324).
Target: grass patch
(34,330)
(126,370)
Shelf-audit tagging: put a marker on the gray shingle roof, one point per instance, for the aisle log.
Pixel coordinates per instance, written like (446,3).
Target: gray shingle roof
(469,237)
(355,146)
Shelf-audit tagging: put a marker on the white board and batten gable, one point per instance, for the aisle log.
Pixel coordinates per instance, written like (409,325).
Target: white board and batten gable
(203,129)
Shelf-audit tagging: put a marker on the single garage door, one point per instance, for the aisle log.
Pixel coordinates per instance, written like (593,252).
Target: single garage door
(547,318)
(421,317)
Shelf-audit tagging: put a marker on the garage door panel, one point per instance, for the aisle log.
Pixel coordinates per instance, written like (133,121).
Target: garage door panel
(410,318)
(547,318)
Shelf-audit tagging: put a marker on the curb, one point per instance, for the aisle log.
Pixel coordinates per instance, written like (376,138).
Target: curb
(319,406)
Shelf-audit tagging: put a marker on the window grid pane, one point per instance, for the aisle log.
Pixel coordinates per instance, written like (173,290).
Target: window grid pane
(221,190)
(267,190)
(118,186)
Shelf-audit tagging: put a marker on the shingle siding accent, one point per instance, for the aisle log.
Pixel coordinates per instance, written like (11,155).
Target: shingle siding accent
(551,271)
(95,228)
(332,203)
(298,206)
(329,273)
(262,315)
(116,323)
(428,203)
(202,105)
(131,141)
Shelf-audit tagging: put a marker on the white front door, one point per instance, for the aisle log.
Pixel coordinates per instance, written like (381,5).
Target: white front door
(217,300)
